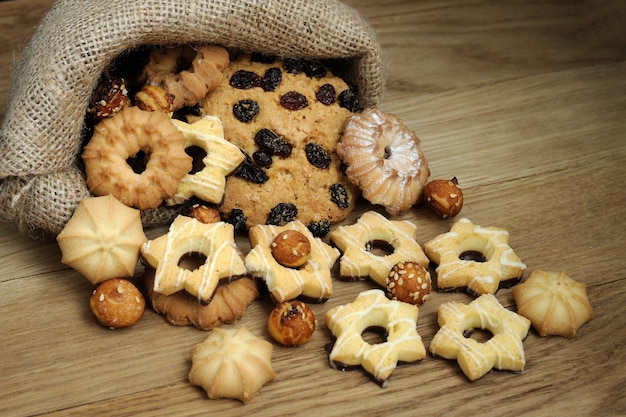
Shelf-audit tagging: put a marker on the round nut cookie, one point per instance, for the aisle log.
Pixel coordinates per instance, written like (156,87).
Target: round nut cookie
(286,116)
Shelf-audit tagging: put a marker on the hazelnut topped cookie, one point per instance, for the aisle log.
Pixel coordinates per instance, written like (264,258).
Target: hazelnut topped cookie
(286,116)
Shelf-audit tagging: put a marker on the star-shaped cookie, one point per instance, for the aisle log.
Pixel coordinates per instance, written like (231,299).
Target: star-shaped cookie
(503,351)
(453,271)
(373,309)
(355,240)
(312,280)
(186,235)
(222,157)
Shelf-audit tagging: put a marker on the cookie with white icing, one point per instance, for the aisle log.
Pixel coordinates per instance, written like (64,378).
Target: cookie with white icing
(373,229)
(312,280)
(504,351)
(474,257)
(373,309)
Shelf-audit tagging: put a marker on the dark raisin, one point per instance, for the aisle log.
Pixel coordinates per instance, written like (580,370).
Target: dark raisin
(238,220)
(339,195)
(244,80)
(262,158)
(246,110)
(282,214)
(319,229)
(249,171)
(348,100)
(271,79)
(293,100)
(314,69)
(262,58)
(326,94)
(272,143)
(317,156)
(294,65)
(187,111)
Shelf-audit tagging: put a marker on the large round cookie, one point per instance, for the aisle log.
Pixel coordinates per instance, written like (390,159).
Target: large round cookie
(287,117)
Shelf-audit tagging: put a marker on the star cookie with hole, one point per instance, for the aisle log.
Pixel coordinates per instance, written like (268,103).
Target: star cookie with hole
(357,242)
(372,309)
(222,158)
(474,257)
(311,280)
(503,351)
(188,236)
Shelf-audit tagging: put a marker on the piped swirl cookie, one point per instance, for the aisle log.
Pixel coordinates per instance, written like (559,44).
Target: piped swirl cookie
(232,363)
(372,309)
(358,241)
(186,235)
(555,303)
(312,280)
(102,239)
(503,351)
(474,257)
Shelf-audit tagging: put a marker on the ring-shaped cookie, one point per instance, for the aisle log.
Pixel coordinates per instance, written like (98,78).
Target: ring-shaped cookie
(122,137)
(453,271)
(503,351)
(191,85)
(373,309)
(384,159)
(358,261)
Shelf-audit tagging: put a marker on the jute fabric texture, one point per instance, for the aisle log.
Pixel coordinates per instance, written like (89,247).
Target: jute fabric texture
(41,181)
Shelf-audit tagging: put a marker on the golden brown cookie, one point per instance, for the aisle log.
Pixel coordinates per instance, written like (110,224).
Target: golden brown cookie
(554,303)
(474,257)
(287,117)
(128,134)
(232,363)
(503,351)
(202,71)
(102,239)
(117,303)
(227,305)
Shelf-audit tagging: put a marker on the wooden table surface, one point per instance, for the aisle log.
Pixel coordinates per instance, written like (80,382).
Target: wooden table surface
(523,101)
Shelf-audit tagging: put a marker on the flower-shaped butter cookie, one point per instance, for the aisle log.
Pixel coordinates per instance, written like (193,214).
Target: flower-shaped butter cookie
(474,257)
(311,280)
(222,157)
(102,239)
(554,303)
(232,363)
(503,351)
(373,229)
(373,309)
(186,235)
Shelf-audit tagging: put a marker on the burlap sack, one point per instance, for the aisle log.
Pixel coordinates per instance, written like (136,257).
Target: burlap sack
(40,138)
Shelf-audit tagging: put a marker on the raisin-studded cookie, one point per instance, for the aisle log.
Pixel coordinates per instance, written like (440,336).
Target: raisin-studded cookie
(286,116)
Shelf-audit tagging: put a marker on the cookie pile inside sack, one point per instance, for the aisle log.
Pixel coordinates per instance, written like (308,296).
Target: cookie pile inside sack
(216,140)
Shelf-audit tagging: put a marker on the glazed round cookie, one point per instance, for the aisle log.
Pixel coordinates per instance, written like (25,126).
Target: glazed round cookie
(286,116)
(384,158)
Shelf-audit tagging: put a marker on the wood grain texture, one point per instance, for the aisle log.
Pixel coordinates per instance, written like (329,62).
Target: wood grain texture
(523,101)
